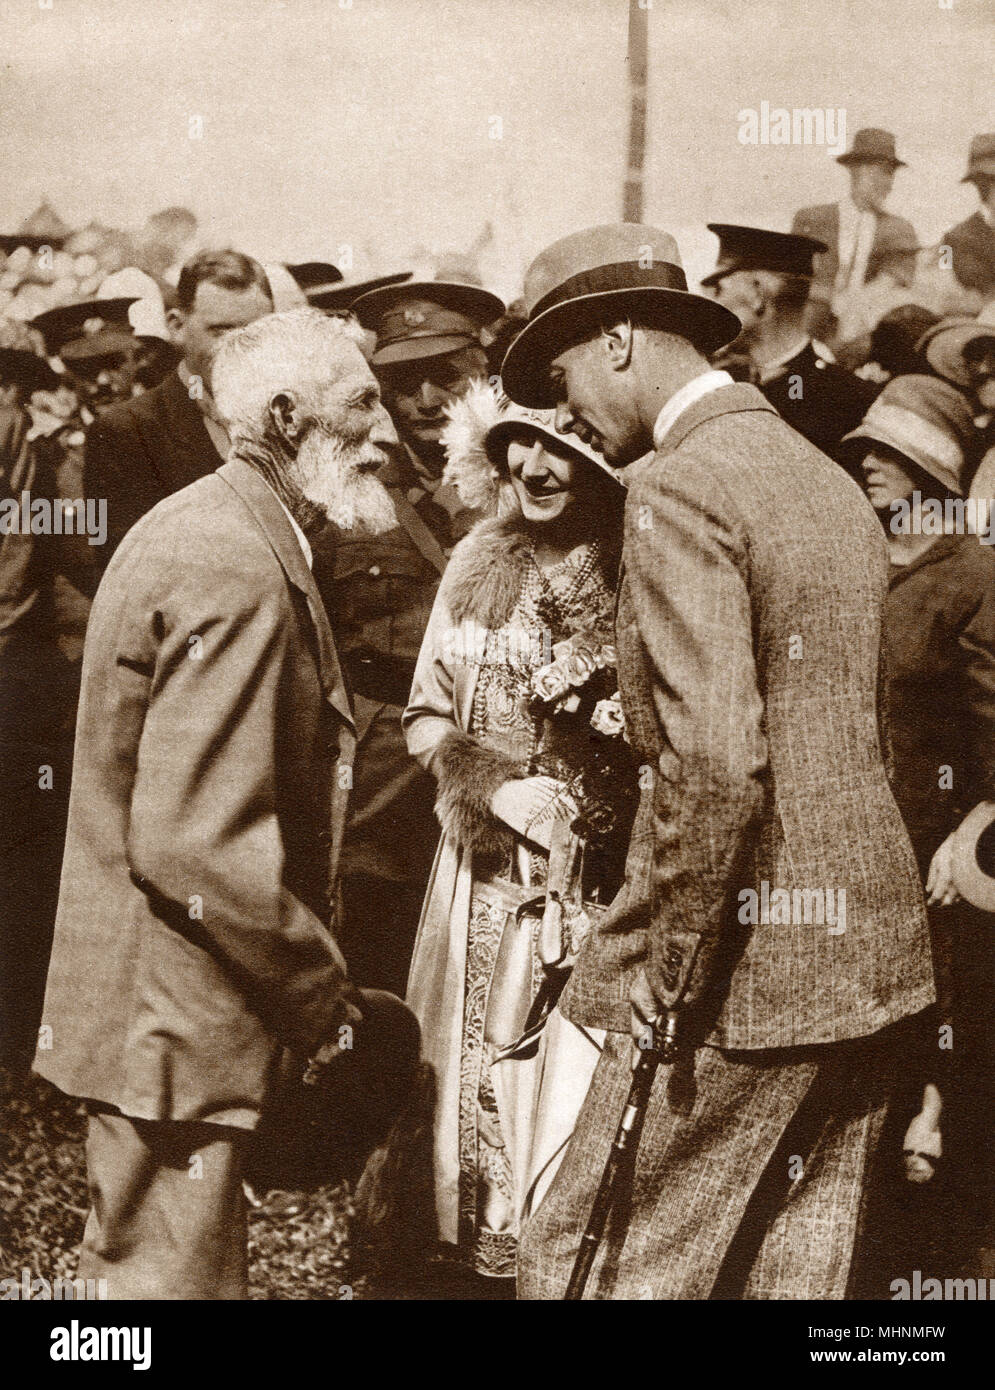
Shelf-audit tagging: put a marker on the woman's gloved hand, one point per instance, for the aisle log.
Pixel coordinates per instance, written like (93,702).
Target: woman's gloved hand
(531,806)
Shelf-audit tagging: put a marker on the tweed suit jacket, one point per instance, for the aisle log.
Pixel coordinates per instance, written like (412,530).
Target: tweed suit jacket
(192,941)
(748,628)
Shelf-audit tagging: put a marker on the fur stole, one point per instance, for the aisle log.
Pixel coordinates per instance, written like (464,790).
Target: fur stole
(486,573)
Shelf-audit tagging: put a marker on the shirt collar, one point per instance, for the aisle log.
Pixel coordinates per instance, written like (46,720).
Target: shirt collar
(987,215)
(693,391)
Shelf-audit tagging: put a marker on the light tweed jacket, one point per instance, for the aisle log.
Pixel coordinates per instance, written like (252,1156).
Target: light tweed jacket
(748,626)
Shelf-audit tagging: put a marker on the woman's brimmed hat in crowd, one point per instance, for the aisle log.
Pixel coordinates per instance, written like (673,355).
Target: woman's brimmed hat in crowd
(476,437)
(944,344)
(926,420)
(621,268)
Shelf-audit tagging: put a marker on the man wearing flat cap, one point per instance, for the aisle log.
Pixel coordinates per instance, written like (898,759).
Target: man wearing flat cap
(764,278)
(748,625)
(380,590)
(972,242)
(859,234)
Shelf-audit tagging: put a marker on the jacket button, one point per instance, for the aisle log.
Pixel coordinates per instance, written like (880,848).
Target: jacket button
(375,571)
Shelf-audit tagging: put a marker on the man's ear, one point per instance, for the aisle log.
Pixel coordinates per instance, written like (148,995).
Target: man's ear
(617,342)
(175,319)
(285,414)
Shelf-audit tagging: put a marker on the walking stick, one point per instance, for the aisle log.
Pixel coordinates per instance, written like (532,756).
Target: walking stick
(663,1050)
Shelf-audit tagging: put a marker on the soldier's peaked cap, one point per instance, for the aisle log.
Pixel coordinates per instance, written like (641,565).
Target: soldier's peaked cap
(425,318)
(756,248)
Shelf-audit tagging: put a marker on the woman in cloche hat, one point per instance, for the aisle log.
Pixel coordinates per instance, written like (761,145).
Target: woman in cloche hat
(514,709)
(938,653)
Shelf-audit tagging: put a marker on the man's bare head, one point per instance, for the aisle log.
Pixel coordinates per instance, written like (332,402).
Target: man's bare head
(296,389)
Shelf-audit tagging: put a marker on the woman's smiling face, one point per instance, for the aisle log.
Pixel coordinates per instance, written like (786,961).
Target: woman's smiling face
(548,479)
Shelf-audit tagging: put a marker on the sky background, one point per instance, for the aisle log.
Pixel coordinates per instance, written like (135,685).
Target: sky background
(368,124)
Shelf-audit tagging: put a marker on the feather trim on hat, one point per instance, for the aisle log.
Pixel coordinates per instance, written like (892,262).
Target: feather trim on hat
(468,467)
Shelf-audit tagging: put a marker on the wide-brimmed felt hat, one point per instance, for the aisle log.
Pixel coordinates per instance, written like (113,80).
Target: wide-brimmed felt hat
(622,267)
(944,344)
(872,146)
(981,158)
(480,425)
(757,248)
(91,328)
(425,318)
(339,298)
(927,421)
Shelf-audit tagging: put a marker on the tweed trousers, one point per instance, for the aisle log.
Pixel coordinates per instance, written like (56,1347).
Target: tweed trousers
(748,1181)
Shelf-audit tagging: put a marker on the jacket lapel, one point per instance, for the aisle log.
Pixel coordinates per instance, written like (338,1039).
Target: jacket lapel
(265,506)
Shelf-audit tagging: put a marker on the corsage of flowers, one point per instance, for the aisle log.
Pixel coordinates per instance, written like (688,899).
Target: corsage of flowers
(575,661)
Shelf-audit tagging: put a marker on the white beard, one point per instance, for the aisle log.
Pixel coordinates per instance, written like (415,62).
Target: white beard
(326,472)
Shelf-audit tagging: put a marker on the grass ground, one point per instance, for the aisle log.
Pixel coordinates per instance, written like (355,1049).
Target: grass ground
(43,1206)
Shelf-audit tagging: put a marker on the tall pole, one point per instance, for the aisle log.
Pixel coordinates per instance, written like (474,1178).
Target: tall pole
(632,197)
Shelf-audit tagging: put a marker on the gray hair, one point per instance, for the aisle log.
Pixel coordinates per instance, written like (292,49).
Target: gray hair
(296,351)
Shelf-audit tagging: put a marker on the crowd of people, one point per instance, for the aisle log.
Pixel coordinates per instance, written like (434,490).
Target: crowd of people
(416,709)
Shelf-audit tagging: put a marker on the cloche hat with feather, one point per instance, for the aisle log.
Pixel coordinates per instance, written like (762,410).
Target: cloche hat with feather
(476,436)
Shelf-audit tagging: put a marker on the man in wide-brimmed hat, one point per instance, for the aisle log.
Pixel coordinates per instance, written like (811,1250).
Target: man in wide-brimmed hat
(747,628)
(972,242)
(765,277)
(860,235)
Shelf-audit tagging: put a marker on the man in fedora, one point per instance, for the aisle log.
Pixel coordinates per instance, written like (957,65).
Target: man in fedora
(972,242)
(748,626)
(764,278)
(379,591)
(858,232)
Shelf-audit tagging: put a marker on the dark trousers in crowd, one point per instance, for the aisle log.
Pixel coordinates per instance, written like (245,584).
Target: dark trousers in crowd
(379,924)
(34,806)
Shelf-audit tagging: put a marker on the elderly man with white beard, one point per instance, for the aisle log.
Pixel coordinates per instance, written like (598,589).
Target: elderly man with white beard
(194,959)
